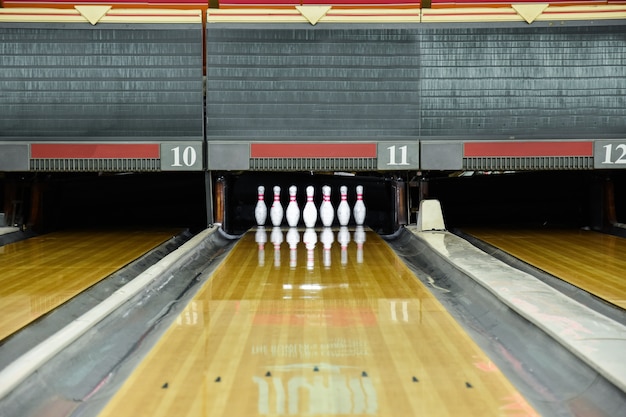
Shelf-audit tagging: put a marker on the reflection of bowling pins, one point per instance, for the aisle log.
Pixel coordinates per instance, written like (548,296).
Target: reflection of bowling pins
(359,238)
(327,238)
(260,211)
(344,238)
(293,211)
(309,215)
(261,238)
(293,238)
(276,211)
(310,239)
(327,212)
(343,210)
(276,238)
(359,206)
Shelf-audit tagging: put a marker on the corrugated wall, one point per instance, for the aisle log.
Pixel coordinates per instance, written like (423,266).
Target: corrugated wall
(523,82)
(324,82)
(83,82)
(349,82)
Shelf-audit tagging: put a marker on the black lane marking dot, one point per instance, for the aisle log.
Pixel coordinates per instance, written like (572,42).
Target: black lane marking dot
(468,385)
(364,374)
(316,369)
(218,379)
(415,379)
(165,385)
(268,374)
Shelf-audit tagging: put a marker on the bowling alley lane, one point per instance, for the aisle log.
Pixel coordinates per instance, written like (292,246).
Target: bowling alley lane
(592,261)
(41,273)
(315,323)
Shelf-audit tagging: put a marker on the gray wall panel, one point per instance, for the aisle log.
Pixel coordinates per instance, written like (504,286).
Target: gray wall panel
(14,157)
(78,82)
(523,82)
(422,81)
(311,82)
(291,82)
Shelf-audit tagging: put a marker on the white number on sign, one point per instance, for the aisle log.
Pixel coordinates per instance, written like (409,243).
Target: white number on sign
(403,155)
(189,156)
(608,153)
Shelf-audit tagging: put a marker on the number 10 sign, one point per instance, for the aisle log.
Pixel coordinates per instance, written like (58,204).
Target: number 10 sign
(181,156)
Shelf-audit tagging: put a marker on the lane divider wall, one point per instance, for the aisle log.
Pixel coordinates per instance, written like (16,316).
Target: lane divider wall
(597,340)
(29,362)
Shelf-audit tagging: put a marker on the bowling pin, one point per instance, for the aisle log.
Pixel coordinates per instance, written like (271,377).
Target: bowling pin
(260,211)
(293,238)
(276,211)
(343,237)
(327,212)
(293,211)
(343,210)
(359,207)
(310,239)
(327,238)
(309,215)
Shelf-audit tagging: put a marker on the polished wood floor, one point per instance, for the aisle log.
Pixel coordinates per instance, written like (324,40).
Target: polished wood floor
(342,333)
(592,261)
(40,273)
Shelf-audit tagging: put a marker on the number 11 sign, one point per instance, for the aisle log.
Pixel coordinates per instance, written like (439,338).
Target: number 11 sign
(398,155)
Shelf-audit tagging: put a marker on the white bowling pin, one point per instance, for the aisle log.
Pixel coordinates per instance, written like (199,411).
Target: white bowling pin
(359,207)
(260,211)
(343,237)
(309,215)
(327,212)
(343,210)
(276,211)
(327,238)
(293,238)
(293,211)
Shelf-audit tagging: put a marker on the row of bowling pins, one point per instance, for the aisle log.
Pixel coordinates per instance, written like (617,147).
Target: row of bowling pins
(310,239)
(310,212)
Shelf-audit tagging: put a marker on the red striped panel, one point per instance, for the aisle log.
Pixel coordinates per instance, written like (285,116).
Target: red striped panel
(526,149)
(268,3)
(146,4)
(333,317)
(478,3)
(313,150)
(94,151)
(259,3)
(380,3)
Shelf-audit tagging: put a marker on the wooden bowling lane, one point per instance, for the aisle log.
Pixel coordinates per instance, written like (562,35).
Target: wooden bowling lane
(40,273)
(349,334)
(592,261)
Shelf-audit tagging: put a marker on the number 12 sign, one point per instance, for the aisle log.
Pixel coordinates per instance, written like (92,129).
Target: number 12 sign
(609,154)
